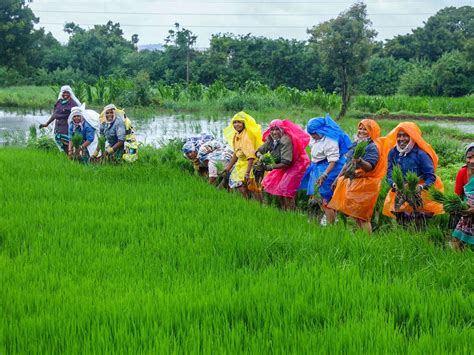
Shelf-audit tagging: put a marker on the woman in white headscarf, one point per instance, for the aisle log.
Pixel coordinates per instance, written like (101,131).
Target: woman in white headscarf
(61,111)
(86,123)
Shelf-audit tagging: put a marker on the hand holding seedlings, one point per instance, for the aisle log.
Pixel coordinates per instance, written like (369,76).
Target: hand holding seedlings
(451,202)
(359,152)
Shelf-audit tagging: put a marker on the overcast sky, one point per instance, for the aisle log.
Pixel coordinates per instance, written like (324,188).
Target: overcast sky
(151,19)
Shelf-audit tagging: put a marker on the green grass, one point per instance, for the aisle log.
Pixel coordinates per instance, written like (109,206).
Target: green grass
(146,258)
(257,97)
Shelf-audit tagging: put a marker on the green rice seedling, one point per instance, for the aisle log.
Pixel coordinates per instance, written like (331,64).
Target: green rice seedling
(267,159)
(33,136)
(451,202)
(45,143)
(220,166)
(359,152)
(261,165)
(76,140)
(174,266)
(101,143)
(413,197)
(397,177)
(399,181)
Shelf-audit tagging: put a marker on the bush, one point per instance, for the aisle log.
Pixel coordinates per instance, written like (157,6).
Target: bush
(453,75)
(417,81)
(249,102)
(383,76)
(66,76)
(10,77)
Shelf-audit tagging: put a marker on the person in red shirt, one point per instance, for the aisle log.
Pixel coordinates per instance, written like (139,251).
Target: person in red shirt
(463,234)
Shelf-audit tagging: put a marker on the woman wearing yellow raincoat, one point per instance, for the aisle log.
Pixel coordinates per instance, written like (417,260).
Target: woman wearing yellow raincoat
(410,152)
(356,198)
(244,135)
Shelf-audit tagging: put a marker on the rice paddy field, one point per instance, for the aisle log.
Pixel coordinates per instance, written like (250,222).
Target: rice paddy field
(216,99)
(147,258)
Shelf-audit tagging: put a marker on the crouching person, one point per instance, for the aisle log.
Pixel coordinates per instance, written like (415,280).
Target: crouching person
(83,133)
(116,127)
(214,155)
(191,148)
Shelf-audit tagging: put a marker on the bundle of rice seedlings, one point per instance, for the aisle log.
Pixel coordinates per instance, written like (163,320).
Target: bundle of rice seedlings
(397,177)
(451,202)
(413,197)
(33,134)
(316,200)
(399,181)
(76,140)
(267,159)
(220,166)
(101,143)
(406,189)
(359,152)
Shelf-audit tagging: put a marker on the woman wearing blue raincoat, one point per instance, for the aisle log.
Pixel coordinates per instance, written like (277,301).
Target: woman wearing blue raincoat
(328,145)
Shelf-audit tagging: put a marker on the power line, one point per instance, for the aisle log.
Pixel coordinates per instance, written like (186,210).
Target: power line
(293,2)
(205,26)
(222,14)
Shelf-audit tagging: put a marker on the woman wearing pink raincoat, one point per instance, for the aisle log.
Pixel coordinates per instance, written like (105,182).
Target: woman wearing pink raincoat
(287,143)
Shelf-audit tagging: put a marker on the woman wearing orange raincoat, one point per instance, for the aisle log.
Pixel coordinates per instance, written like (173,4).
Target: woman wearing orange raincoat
(356,198)
(410,152)
(244,135)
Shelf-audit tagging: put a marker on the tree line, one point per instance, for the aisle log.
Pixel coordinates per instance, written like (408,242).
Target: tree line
(340,55)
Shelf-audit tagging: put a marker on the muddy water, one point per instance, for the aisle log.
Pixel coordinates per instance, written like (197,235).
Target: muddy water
(14,127)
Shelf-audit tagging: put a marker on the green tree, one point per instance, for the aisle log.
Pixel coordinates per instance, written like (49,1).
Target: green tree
(100,50)
(17,33)
(383,76)
(179,46)
(417,80)
(453,75)
(346,44)
(447,30)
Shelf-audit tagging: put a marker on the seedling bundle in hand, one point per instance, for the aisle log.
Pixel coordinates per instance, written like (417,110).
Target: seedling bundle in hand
(267,159)
(76,140)
(406,189)
(359,152)
(451,202)
(76,143)
(261,165)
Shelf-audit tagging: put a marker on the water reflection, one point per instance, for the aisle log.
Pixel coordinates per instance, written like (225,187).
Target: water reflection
(14,127)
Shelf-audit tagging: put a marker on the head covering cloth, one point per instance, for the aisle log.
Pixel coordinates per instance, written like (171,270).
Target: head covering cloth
(192,144)
(327,127)
(69,90)
(253,129)
(414,132)
(299,138)
(285,182)
(429,206)
(469,147)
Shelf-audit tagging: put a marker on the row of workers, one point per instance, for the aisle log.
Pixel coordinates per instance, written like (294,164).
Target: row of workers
(71,117)
(331,155)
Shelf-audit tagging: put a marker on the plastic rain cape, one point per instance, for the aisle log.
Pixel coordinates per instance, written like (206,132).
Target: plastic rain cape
(429,206)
